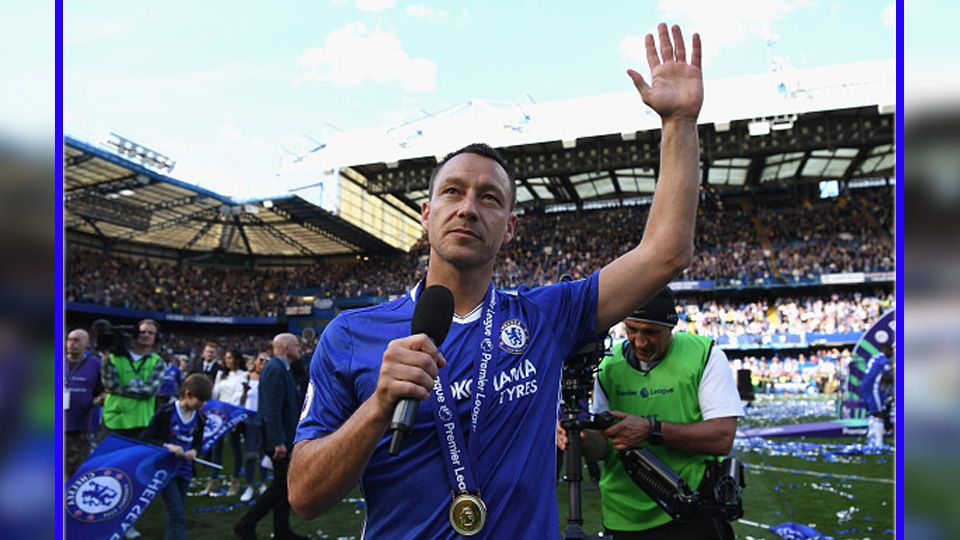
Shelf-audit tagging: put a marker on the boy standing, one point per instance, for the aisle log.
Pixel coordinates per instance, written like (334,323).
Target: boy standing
(179,426)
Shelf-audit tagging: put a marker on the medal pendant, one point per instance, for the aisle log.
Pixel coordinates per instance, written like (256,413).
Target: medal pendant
(468,513)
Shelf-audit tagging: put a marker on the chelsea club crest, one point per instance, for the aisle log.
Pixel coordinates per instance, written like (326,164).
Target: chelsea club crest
(514,336)
(99,495)
(215,421)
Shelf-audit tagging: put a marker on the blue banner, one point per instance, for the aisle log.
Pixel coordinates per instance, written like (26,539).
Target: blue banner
(114,486)
(221,419)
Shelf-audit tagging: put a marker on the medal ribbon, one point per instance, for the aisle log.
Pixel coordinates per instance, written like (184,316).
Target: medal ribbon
(458,459)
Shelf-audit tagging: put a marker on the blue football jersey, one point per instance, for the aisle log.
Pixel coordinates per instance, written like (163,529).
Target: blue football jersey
(181,433)
(408,496)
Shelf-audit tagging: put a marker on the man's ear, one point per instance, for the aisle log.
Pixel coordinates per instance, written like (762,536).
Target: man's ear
(511,229)
(425,216)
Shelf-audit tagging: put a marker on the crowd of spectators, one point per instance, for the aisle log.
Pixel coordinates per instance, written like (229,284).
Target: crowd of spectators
(159,285)
(735,246)
(831,315)
(818,372)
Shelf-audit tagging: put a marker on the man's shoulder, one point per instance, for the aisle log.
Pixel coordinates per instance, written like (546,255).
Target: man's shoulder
(352,322)
(399,307)
(561,290)
(93,359)
(273,364)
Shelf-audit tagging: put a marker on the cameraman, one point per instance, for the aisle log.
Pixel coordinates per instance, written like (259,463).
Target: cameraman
(132,380)
(673,394)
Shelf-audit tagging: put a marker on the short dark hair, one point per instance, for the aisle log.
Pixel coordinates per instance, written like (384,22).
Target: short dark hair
(480,149)
(198,385)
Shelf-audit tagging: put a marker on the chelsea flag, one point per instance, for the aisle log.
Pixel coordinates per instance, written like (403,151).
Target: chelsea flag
(114,486)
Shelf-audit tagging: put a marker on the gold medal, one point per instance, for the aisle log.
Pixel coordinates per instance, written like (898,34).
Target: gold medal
(468,513)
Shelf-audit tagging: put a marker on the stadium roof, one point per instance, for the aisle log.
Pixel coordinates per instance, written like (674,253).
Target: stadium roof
(116,200)
(776,128)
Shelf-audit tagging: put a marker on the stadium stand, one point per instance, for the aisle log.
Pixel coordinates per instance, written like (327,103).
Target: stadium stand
(833,239)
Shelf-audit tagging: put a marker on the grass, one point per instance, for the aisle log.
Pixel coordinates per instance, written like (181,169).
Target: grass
(842,508)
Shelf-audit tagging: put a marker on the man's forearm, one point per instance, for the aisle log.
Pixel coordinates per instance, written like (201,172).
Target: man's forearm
(324,470)
(667,244)
(672,217)
(713,437)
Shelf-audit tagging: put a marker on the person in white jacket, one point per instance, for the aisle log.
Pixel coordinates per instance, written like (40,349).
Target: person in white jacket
(249,400)
(228,388)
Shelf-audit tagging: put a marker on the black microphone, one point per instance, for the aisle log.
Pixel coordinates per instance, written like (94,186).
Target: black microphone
(431,316)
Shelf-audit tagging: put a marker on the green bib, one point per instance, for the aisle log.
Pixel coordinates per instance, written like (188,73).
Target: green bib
(123,412)
(669,392)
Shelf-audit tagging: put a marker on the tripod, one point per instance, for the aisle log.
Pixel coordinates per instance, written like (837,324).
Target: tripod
(574,425)
(576,385)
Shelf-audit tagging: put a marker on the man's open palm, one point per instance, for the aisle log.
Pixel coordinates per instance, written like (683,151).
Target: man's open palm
(676,87)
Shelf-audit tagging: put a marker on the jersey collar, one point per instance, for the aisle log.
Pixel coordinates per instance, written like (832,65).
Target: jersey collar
(474,314)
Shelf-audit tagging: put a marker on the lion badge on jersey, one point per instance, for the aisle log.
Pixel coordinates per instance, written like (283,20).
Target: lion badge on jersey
(514,336)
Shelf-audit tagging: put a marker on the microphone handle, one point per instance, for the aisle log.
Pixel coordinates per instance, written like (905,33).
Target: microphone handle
(402,422)
(403,417)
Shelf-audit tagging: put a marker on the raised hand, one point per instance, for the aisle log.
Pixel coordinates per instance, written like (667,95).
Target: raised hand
(676,86)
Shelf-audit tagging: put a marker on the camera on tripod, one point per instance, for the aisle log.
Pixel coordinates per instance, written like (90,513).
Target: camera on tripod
(576,387)
(113,338)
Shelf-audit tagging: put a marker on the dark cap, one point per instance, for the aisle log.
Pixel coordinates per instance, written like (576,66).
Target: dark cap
(661,309)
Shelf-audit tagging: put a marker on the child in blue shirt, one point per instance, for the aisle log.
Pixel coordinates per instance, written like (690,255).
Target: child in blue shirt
(178,425)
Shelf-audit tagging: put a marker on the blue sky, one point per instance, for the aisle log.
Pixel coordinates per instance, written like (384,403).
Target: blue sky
(222,87)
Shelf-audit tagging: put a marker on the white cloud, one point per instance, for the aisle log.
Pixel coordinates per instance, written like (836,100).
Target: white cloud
(721,25)
(375,5)
(426,12)
(889,16)
(352,54)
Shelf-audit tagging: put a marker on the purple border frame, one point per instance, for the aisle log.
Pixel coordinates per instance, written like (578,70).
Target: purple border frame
(898,143)
(59,248)
(58,271)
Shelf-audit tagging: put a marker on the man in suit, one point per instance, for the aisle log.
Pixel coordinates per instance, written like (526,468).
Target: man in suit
(207,364)
(277,416)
